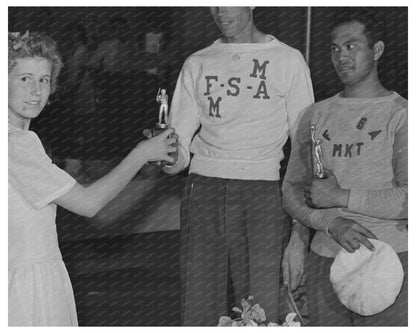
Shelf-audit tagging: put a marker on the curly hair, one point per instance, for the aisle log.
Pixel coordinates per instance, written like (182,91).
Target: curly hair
(35,44)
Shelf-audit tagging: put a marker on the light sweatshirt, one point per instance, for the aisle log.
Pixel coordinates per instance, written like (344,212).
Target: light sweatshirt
(364,143)
(244,99)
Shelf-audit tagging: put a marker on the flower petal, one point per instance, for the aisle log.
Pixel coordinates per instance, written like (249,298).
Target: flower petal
(290,317)
(225,321)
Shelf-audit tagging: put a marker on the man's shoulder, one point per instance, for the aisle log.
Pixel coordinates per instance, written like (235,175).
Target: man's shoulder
(323,103)
(275,42)
(400,102)
(281,47)
(199,55)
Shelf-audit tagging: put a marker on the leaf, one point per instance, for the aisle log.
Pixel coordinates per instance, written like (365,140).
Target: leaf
(252,323)
(246,305)
(235,309)
(272,324)
(225,321)
(258,313)
(293,323)
(290,317)
(290,320)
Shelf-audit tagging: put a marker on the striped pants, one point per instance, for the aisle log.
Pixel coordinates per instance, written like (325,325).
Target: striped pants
(233,234)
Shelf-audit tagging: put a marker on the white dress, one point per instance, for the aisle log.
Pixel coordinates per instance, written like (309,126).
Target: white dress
(40,291)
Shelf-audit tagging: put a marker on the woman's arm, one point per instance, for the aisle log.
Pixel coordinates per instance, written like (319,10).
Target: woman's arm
(88,200)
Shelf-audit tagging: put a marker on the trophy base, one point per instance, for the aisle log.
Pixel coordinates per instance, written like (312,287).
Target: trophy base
(158,129)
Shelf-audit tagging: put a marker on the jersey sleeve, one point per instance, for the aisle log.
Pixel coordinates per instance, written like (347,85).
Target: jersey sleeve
(389,203)
(300,92)
(298,173)
(184,115)
(32,173)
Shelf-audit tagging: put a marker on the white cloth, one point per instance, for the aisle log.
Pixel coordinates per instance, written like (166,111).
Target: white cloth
(367,282)
(40,292)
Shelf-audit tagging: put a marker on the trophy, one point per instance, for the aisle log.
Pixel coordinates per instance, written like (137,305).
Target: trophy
(163,124)
(162,98)
(319,171)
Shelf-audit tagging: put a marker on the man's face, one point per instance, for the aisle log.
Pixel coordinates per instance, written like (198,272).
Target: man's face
(232,21)
(351,55)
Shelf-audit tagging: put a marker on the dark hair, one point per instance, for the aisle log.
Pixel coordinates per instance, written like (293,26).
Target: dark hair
(371,19)
(35,44)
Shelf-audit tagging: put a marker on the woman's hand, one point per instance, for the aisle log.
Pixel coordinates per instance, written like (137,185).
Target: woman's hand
(160,147)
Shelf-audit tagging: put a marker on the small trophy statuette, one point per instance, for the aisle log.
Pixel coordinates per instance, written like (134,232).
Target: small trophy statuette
(162,98)
(319,171)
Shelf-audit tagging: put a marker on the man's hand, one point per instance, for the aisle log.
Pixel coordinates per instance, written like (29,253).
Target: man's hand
(326,193)
(293,263)
(350,234)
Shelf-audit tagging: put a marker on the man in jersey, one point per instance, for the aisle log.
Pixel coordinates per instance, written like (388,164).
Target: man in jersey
(363,133)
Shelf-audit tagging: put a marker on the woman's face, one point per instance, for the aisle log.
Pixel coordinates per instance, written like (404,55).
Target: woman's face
(29,89)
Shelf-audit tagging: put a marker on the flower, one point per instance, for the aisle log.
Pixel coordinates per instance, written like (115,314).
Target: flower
(253,315)
(290,320)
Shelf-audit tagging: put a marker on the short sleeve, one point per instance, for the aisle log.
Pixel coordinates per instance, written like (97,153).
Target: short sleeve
(32,173)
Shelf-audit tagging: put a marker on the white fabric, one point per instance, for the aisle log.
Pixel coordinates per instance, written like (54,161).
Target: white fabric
(245,98)
(367,282)
(40,292)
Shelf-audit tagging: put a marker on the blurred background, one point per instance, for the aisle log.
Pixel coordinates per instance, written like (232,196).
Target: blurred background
(124,263)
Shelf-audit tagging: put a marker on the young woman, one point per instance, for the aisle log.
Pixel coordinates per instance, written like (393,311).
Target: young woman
(40,292)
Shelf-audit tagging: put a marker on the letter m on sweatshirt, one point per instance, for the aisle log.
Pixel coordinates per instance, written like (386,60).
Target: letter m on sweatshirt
(259,68)
(214,107)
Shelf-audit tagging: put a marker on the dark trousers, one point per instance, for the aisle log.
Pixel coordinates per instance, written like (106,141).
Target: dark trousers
(233,233)
(326,310)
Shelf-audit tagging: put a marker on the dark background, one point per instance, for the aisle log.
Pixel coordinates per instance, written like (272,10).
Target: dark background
(121,275)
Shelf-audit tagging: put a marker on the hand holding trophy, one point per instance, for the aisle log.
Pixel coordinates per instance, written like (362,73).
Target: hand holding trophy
(319,171)
(162,98)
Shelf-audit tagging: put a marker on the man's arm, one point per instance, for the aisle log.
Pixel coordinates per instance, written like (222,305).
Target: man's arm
(293,263)
(300,93)
(348,233)
(299,173)
(184,117)
(390,203)
(387,204)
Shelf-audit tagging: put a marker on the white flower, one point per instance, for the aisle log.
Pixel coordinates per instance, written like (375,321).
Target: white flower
(253,315)
(225,321)
(289,321)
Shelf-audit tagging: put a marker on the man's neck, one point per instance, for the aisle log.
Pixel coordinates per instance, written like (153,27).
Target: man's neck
(251,35)
(365,92)
(368,88)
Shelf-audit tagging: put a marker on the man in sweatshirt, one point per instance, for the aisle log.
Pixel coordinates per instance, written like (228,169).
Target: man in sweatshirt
(235,104)
(363,133)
